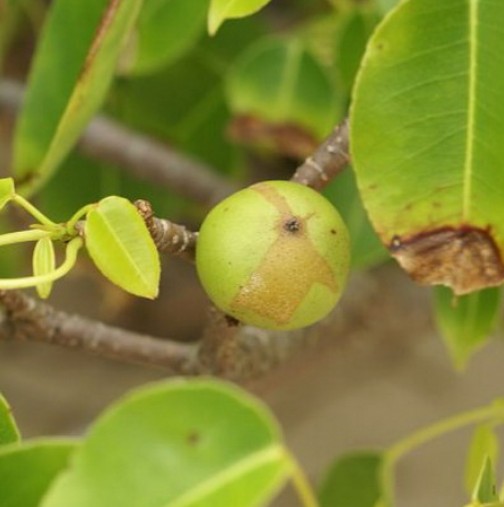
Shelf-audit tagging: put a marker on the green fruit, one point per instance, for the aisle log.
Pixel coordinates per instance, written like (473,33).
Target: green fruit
(274,255)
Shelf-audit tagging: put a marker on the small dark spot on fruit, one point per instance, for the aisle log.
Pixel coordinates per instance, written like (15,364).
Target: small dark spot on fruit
(333,231)
(193,438)
(225,209)
(292,224)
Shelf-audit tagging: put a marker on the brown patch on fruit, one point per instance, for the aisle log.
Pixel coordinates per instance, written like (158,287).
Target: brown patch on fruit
(268,292)
(465,258)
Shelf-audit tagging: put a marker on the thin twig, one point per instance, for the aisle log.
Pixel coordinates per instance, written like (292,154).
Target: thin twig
(26,318)
(147,159)
(328,160)
(168,236)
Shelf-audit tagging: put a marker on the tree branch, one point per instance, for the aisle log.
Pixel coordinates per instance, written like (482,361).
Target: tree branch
(149,160)
(328,160)
(26,318)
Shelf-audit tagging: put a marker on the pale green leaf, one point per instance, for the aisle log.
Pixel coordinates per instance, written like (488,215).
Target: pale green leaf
(427,128)
(197,443)
(353,481)
(27,470)
(220,10)
(44,262)
(484,445)
(73,67)
(9,432)
(165,31)
(121,246)
(279,82)
(7,191)
(466,322)
(485,490)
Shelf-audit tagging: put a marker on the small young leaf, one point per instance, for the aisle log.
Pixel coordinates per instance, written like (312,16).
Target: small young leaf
(73,67)
(220,10)
(166,29)
(484,444)
(177,444)
(27,470)
(485,490)
(466,322)
(6,191)
(9,432)
(279,82)
(120,245)
(44,261)
(353,481)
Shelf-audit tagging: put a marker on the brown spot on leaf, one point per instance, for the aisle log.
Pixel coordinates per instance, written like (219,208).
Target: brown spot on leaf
(465,258)
(288,139)
(101,32)
(193,438)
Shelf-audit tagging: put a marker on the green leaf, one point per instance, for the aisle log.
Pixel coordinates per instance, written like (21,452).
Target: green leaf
(278,81)
(353,37)
(44,262)
(9,432)
(426,140)
(220,10)
(166,30)
(485,490)
(466,322)
(121,246)
(74,64)
(484,445)
(177,444)
(27,470)
(367,250)
(353,481)
(7,191)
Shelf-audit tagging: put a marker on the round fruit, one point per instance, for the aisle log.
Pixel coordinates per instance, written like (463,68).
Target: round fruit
(274,255)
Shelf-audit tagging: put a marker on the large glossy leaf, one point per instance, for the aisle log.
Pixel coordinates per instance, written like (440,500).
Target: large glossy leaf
(121,246)
(466,322)
(220,10)
(278,81)
(74,64)
(427,124)
(9,432)
(177,444)
(166,29)
(484,445)
(353,481)
(27,470)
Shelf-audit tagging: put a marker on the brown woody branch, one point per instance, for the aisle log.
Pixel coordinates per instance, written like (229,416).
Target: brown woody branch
(228,350)
(144,157)
(328,160)
(26,318)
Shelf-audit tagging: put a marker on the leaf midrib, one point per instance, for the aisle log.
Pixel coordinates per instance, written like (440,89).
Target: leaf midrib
(471,110)
(250,462)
